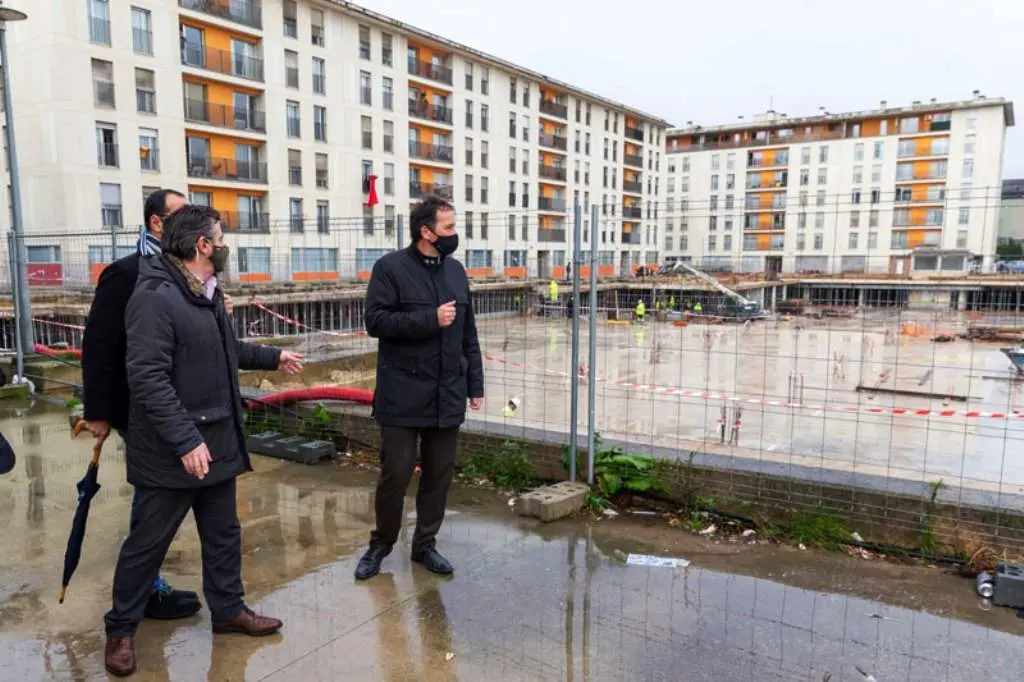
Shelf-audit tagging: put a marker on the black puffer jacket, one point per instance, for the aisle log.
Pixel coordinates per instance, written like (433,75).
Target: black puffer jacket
(183,362)
(425,373)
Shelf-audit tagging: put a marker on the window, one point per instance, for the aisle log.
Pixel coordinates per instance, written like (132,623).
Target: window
(512,90)
(469,114)
(320,123)
(879,150)
(484,118)
(388,96)
(876,174)
(316,27)
(876,195)
(526,129)
(909,125)
(289,14)
(716,161)
(968,168)
(389,220)
(730,181)
(365,84)
(484,154)
(319,76)
(485,80)
(364,42)
(852,240)
(714,182)
(468,68)
(295,217)
(99,22)
(511,159)
(971,123)
(366,128)
(872,240)
(469,151)
(858,151)
(484,189)
(965,191)
(145,91)
(469,188)
(294,121)
(872,221)
(819,220)
(295,167)
(730,161)
(805,177)
(106,145)
(855,219)
(823,174)
(819,198)
(103,83)
(291,69)
(387,51)
(970,142)
(254,260)
(855,196)
(819,241)
(111,212)
(965,216)
(511,228)
(322,171)
(801,220)
(149,149)
(823,154)
(512,124)
(389,179)
(858,175)
(323,216)
(961,239)
(142,31)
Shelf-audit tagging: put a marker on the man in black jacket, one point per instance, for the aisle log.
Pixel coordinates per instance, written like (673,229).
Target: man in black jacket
(418,305)
(105,384)
(185,440)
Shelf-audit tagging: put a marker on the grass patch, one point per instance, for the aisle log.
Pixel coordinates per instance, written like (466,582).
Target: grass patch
(506,466)
(819,530)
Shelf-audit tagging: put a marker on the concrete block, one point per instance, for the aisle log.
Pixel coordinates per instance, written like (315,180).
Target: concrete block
(553,502)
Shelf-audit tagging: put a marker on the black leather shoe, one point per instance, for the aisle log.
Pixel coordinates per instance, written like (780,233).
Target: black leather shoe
(172,605)
(369,563)
(433,561)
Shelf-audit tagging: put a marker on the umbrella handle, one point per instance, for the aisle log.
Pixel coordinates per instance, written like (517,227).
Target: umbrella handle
(96,449)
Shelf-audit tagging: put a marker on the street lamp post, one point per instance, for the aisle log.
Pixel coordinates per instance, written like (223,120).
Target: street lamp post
(23,315)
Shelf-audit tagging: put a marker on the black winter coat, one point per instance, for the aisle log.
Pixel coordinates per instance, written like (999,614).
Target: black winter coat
(183,362)
(104,381)
(425,373)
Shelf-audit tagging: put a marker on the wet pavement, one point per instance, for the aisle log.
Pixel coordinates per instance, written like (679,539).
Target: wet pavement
(528,602)
(654,381)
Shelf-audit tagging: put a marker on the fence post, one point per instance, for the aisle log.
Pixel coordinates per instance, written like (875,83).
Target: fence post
(592,351)
(19,351)
(399,229)
(574,372)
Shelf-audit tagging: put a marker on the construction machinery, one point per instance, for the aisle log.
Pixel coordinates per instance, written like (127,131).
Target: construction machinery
(734,306)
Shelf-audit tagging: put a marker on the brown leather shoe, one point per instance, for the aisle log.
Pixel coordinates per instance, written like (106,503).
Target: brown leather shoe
(248,623)
(120,656)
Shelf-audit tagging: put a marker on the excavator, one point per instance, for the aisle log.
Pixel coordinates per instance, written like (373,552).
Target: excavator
(734,306)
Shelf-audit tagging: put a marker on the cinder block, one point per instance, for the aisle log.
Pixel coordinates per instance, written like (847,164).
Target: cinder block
(1009,586)
(553,502)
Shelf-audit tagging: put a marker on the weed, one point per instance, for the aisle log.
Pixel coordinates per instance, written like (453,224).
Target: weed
(617,471)
(819,530)
(596,502)
(507,466)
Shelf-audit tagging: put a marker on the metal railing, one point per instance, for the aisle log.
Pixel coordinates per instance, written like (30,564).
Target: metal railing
(551,204)
(430,152)
(429,71)
(227,169)
(552,172)
(422,189)
(245,12)
(553,108)
(238,221)
(553,141)
(632,212)
(223,116)
(107,155)
(632,187)
(430,112)
(633,161)
(222,61)
(634,133)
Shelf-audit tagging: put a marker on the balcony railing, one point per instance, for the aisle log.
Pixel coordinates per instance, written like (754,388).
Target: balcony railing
(635,133)
(223,116)
(764,163)
(633,160)
(430,152)
(107,155)
(422,189)
(553,108)
(632,212)
(245,12)
(552,172)
(236,221)
(551,235)
(632,187)
(227,169)
(551,204)
(222,61)
(430,112)
(434,72)
(914,153)
(631,237)
(553,141)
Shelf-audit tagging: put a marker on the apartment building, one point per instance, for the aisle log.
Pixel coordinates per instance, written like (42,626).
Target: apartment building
(893,189)
(311,125)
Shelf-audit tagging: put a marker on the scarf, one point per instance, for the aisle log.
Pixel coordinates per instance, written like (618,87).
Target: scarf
(148,244)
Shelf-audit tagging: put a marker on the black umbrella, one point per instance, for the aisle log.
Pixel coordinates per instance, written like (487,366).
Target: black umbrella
(87,489)
(7,458)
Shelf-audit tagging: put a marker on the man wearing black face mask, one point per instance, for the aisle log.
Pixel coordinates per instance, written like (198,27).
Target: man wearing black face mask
(429,364)
(185,444)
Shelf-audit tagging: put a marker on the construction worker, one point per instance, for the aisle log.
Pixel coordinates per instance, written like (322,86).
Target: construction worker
(671,302)
(517,304)
(553,291)
(510,407)
(698,308)
(641,311)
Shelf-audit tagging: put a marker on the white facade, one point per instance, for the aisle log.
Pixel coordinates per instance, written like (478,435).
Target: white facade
(64,158)
(852,197)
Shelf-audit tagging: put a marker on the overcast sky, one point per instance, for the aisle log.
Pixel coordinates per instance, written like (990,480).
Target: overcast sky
(709,62)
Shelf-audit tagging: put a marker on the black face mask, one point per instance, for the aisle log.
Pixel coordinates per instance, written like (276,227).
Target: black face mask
(446,245)
(219,259)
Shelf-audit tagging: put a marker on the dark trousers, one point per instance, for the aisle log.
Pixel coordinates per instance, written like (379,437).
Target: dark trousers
(398,449)
(158,514)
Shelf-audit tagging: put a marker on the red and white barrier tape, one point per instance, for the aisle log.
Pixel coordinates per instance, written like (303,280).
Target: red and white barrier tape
(747,400)
(63,325)
(302,325)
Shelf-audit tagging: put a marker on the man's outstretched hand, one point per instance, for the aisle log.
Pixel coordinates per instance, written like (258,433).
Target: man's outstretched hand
(290,363)
(476,404)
